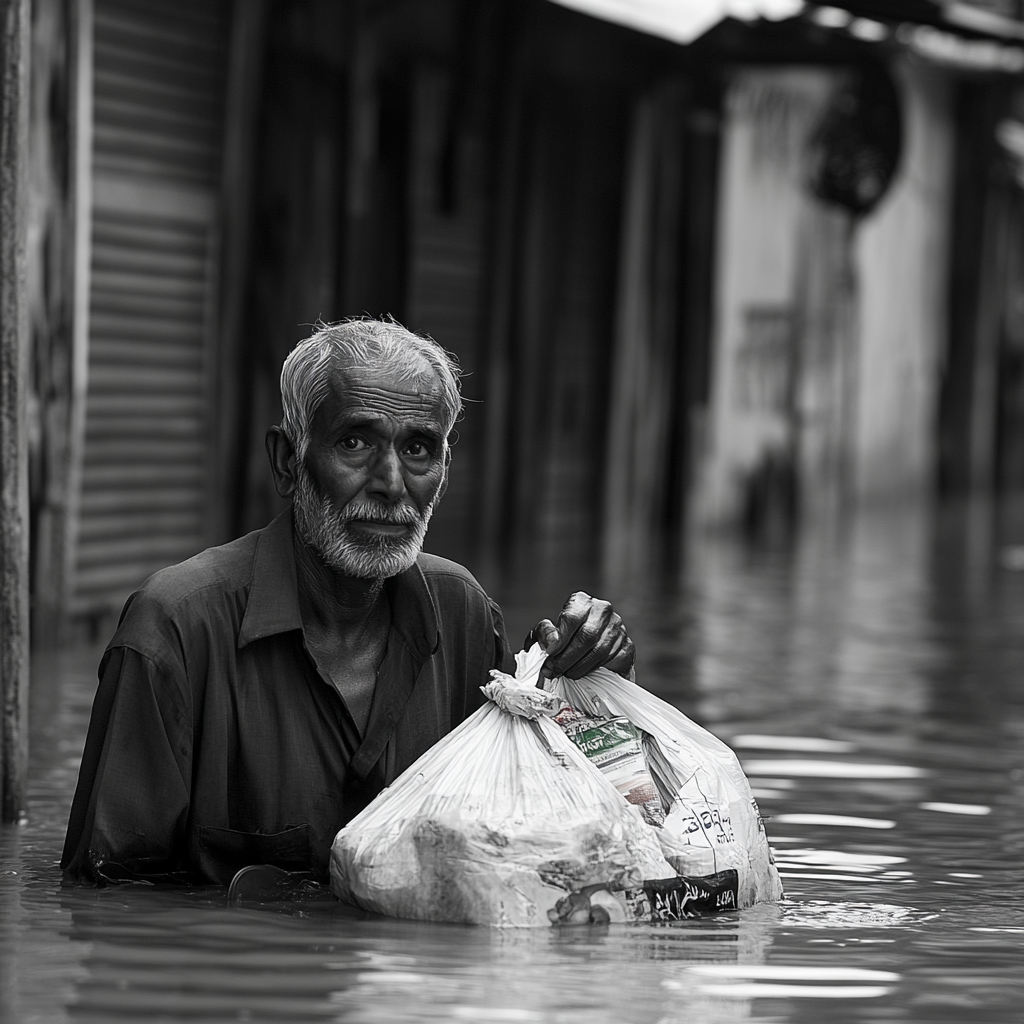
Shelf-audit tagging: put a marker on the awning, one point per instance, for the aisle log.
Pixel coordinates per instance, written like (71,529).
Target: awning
(683,21)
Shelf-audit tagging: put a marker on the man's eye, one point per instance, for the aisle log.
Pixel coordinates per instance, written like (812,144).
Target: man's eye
(417,449)
(352,443)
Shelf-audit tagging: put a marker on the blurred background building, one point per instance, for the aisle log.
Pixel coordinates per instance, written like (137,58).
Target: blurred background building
(705,263)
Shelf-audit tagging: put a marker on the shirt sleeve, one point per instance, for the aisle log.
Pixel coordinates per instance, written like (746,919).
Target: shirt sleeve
(129,812)
(504,659)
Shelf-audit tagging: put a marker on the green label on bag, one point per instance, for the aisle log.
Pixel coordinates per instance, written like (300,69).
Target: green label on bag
(614,747)
(607,737)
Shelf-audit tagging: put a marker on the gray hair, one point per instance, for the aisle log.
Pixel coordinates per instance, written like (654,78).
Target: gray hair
(306,374)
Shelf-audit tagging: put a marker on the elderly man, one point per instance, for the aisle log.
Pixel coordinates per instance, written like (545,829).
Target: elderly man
(257,696)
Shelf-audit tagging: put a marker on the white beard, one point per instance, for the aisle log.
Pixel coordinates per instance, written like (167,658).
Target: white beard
(328,531)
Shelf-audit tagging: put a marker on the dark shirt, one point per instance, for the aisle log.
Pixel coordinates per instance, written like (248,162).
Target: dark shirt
(215,742)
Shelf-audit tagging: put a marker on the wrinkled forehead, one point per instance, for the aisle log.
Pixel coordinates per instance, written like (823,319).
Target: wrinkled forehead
(410,386)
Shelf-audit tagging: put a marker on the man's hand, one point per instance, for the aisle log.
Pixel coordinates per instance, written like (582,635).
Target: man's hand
(589,635)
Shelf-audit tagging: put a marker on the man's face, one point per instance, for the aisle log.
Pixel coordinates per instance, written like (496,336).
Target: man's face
(374,468)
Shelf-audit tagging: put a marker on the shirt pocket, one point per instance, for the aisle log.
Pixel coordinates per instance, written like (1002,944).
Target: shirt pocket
(223,851)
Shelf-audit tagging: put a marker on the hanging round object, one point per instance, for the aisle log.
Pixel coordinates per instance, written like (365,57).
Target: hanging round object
(855,150)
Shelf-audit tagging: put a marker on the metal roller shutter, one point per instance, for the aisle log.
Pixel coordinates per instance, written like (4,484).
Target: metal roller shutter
(159,85)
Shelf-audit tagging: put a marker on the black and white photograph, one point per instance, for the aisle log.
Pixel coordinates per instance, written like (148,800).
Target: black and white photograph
(512,511)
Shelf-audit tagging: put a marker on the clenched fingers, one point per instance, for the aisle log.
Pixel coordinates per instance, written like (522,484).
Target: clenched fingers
(589,634)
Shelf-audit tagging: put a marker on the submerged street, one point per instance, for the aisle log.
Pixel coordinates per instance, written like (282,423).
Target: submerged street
(707,268)
(872,684)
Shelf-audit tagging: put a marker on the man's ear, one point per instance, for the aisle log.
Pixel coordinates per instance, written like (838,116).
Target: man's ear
(282,461)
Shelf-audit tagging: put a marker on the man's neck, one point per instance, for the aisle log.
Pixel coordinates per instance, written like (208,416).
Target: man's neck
(329,600)
(345,623)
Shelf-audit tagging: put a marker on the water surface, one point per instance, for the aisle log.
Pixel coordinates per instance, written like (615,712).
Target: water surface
(872,684)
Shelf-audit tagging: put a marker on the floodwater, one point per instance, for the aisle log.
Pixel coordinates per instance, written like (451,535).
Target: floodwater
(873,685)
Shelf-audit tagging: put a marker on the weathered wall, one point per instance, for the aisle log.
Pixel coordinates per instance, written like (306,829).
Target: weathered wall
(828,328)
(902,261)
(762,209)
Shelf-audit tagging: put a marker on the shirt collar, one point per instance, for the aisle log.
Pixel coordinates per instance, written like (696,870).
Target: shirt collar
(273,605)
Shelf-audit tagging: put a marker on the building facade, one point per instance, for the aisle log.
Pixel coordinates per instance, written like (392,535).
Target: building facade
(668,309)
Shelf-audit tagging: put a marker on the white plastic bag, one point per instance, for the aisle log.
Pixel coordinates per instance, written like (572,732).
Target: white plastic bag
(503,822)
(712,823)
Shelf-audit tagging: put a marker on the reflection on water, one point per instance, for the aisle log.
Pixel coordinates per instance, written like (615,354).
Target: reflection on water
(873,685)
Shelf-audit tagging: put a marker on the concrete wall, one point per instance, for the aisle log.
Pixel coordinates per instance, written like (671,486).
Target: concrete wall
(769,114)
(827,331)
(902,260)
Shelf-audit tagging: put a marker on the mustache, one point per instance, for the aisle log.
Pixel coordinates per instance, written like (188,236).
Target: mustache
(373,512)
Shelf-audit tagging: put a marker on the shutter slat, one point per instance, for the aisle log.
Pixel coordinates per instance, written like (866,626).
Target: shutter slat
(108,586)
(146,405)
(114,480)
(155,552)
(148,170)
(168,94)
(149,354)
(149,143)
(147,318)
(125,233)
(144,523)
(208,17)
(145,498)
(148,427)
(122,378)
(134,29)
(136,114)
(179,287)
(143,451)
(143,262)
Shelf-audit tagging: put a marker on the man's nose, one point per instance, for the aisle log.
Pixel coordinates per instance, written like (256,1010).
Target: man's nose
(387,481)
